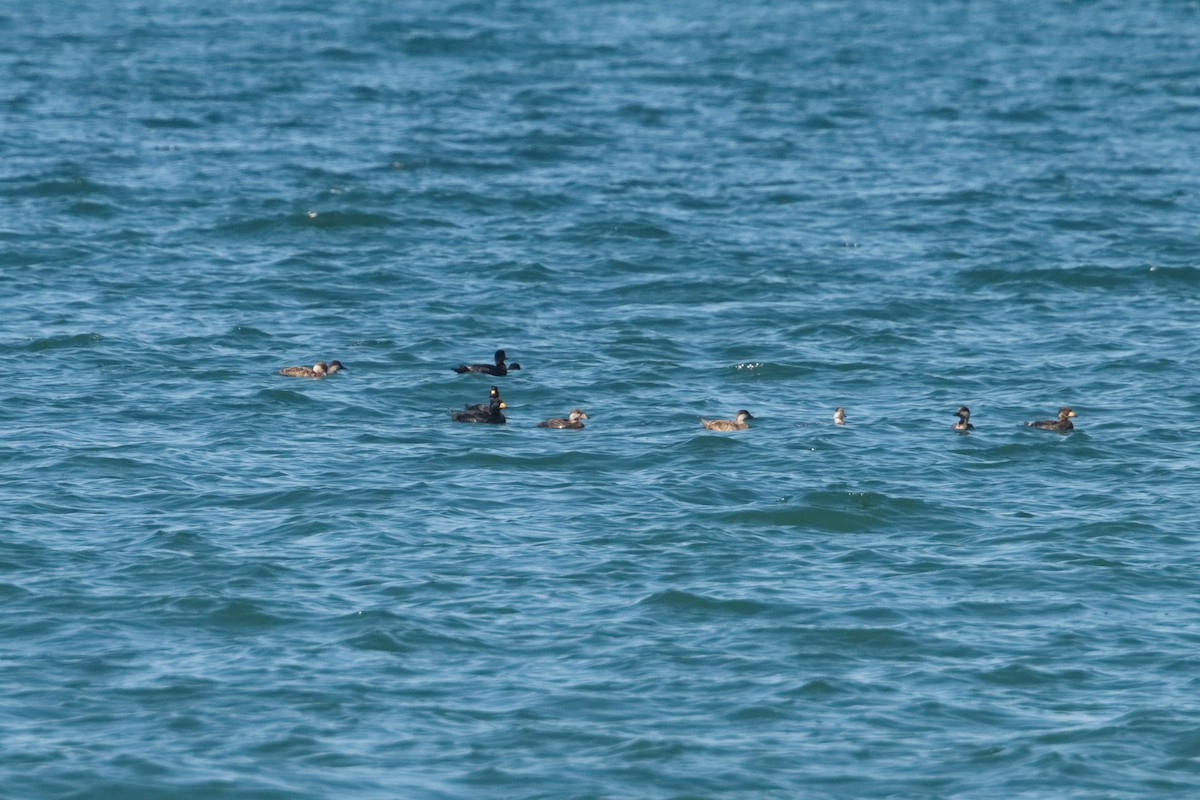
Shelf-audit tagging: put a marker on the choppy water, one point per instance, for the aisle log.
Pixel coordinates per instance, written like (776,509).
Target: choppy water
(221,583)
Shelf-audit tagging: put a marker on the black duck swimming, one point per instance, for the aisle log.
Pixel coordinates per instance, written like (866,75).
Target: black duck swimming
(497,368)
(491,413)
(1063,423)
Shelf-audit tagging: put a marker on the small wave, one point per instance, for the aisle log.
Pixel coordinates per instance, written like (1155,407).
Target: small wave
(60,187)
(819,122)
(1082,277)
(425,44)
(678,600)
(758,370)
(602,230)
(285,396)
(1020,115)
(529,272)
(11,591)
(1023,675)
(1189,276)
(65,342)
(91,209)
(332,220)
(240,614)
(171,123)
(249,332)
(846,512)
(818,688)
(378,641)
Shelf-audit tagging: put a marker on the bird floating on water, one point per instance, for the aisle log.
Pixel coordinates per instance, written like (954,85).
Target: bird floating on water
(738,423)
(571,421)
(318,370)
(497,368)
(1063,423)
(491,413)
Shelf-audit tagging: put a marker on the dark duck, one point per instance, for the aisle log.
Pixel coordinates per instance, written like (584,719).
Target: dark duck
(963,414)
(497,368)
(570,422)
(489,413)
(1063,423)
(318,370)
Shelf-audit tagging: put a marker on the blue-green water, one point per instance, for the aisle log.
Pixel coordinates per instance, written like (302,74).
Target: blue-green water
(221,583)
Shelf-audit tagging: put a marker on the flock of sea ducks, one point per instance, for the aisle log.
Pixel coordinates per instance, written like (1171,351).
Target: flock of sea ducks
(492,412)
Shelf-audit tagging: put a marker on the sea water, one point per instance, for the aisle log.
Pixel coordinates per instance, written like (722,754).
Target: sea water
(217,582)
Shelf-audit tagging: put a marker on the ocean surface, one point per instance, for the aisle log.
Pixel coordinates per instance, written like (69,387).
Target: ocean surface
(217,582)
